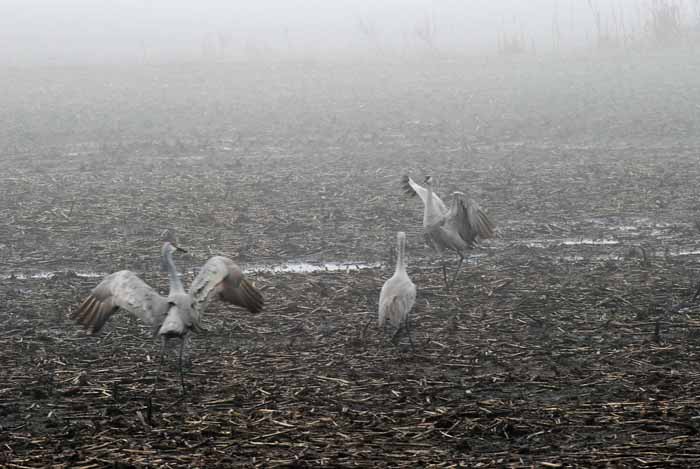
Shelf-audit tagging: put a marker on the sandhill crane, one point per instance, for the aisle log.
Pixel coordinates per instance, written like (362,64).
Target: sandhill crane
(457,229)
(398,295)
(177,314)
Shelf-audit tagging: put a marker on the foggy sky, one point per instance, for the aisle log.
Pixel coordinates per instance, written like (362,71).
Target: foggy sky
(69,31)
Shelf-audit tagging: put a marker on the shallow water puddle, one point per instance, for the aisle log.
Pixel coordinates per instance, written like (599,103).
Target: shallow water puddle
(306,267)
(49,274)
(689,252)
(298,267)
(627,228)
(618,255)
(589,241)
(541,243)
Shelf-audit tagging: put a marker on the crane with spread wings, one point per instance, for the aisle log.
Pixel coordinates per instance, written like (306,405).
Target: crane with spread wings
(457,228)
(175,315)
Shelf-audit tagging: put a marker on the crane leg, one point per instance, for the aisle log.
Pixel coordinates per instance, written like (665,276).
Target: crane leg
(395,335)
(179,364)
(408,332)
(444,276)
(403,328)
(160,365)
(163,342)
(459,265)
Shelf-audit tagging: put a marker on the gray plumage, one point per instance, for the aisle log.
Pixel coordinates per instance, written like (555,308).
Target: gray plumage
(179,313)
(457,229)
(398,295)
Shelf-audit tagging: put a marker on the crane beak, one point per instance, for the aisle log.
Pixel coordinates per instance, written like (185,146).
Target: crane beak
(178,248)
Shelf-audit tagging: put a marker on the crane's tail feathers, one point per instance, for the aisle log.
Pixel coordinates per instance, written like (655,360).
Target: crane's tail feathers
(251,297)
(93,313)
(407,187)
(391,311)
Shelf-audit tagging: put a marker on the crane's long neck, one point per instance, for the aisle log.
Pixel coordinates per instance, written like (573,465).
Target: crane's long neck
(430,207)
(169,267)
(400,252)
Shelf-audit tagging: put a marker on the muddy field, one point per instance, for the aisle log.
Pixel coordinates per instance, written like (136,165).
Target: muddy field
(563,343)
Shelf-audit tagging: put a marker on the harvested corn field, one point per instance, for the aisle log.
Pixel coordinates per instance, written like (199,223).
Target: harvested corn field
(570,339)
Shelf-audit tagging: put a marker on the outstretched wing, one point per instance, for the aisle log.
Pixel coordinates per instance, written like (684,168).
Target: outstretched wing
(412,188)
(469,220)
(123,290)
(221,278)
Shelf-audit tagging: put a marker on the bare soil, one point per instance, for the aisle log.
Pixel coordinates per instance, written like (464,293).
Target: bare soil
(561,345)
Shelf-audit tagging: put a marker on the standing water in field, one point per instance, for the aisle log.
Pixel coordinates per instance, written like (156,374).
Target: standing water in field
(296,267)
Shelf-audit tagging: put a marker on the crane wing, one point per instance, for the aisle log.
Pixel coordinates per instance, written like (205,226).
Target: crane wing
(412,188)
(469,220)
(125,290)
(221,278)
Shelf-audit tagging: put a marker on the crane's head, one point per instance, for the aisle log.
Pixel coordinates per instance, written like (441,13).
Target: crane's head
(430,181)
(169,236)
(401,237)
(168,249)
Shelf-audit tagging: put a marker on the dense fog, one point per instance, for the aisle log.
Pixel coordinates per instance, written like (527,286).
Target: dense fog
(434,233)
(163,30)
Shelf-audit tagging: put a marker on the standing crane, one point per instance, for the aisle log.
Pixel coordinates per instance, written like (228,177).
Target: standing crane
(398,295)
(457,229)
(176,315)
